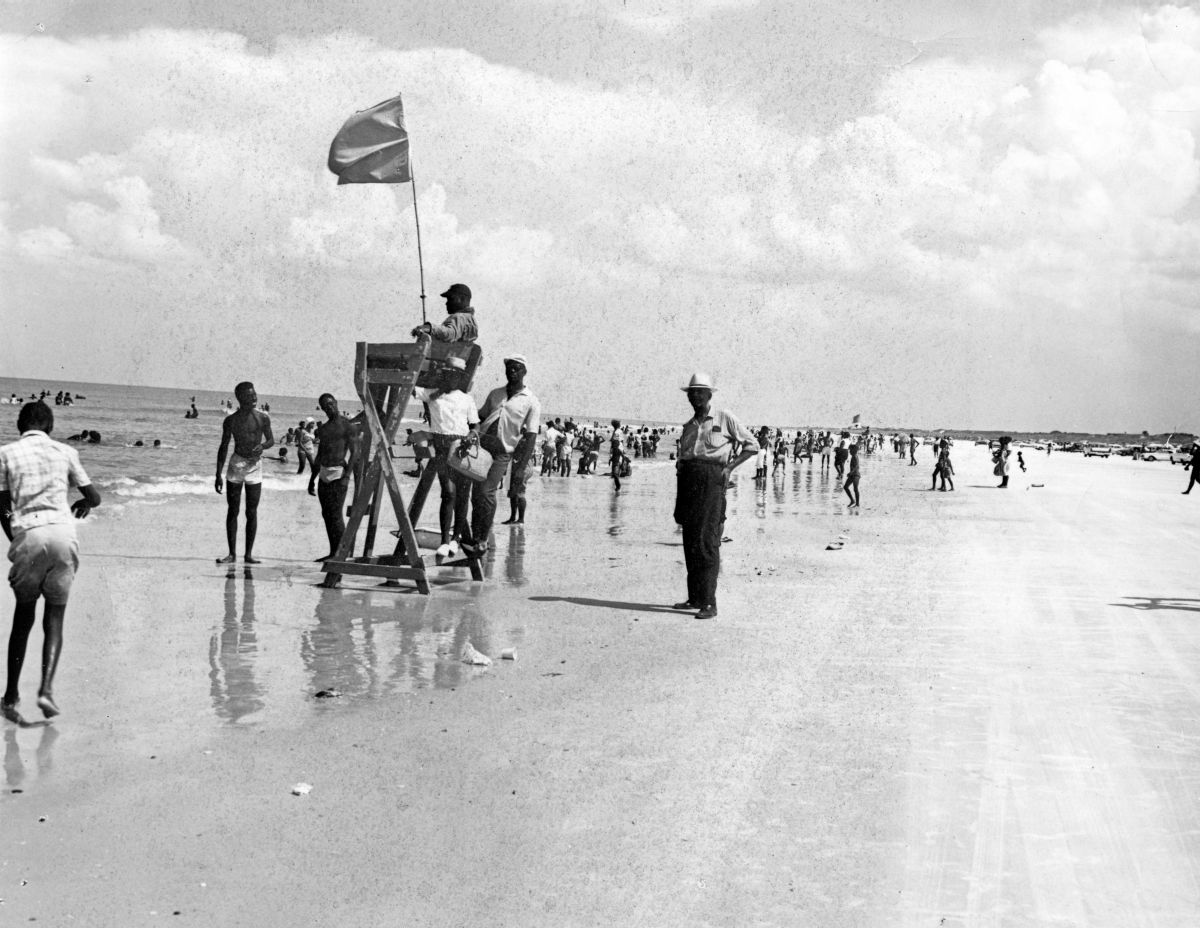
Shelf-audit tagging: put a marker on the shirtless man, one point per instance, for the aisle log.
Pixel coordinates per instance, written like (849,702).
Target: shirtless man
(331,475)
(250,431)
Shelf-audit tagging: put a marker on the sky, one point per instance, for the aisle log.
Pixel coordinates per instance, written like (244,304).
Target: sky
(947,214)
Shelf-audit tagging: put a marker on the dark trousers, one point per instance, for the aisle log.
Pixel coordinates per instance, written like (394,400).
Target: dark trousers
(332,496)
(700,510)
(483,493)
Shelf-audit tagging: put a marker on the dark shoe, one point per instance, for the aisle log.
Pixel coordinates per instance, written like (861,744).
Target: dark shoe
(685,605)
(708,612)
(412,473)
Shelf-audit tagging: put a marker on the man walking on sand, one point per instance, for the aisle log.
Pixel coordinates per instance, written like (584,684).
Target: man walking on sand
(712,445)
(507,431)
(250,431)
(35,474)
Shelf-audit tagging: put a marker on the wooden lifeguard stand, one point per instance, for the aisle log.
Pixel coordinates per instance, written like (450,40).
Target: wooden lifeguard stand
(384,376)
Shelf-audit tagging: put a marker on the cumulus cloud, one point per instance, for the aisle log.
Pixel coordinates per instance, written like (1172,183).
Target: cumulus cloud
(1052,193)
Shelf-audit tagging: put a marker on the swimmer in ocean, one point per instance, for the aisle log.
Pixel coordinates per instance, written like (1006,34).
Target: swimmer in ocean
(250,431)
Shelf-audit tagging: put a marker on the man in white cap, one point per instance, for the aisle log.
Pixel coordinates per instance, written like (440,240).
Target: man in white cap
(459,324)
(510,417)
(712,445)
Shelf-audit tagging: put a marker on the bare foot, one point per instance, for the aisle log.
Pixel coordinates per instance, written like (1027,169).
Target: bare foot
(250,559)
(46,704)
(227,559)
(9,711)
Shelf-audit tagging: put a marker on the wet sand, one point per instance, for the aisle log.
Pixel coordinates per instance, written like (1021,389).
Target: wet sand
(983,710)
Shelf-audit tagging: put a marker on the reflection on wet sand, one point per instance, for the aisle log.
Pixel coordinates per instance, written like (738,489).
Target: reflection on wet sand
(235,691)
(15,771)
(514,557)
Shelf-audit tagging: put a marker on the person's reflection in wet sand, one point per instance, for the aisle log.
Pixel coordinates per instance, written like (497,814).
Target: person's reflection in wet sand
(14,764)
(231,655)
(615,526)
(469,626)
(14,767)
(328,649)
(514,558)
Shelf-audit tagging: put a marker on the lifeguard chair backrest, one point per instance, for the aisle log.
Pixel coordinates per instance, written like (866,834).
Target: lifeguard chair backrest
(470,352)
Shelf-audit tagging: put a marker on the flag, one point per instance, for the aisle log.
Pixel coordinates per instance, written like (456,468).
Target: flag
(372,147)
(856,418)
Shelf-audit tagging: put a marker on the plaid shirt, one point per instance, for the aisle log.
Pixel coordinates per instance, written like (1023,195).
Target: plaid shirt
(36,471)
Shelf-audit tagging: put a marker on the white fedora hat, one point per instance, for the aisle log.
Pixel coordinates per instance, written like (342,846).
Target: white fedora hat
(699,381)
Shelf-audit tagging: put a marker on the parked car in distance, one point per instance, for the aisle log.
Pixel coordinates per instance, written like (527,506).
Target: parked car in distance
(1182,456)
(1096,451)
(1158,452)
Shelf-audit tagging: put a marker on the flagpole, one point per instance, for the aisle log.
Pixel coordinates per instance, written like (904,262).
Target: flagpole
(417,218)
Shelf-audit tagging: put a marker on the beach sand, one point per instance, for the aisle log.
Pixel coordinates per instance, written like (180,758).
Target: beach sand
(983,710)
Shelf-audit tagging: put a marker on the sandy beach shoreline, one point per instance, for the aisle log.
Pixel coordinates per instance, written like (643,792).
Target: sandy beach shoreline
(982,710)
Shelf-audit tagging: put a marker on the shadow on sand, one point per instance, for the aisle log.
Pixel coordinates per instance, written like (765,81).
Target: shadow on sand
(1162,602)
(606,604)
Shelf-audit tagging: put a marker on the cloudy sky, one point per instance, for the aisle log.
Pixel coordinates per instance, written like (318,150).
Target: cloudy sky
(953,213)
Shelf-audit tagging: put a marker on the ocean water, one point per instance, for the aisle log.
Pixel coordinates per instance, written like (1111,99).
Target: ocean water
(123,415)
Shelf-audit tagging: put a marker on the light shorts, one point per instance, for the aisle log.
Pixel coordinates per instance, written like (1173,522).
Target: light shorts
(243,470)
(44,561)
(331,472)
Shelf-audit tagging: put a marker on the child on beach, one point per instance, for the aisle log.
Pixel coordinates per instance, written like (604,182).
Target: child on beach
(35,473)
(852,477)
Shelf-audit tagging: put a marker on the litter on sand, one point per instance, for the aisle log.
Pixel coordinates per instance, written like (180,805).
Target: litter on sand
(508,654)
(835,546)
(471,656)
(328,694)
(301,789)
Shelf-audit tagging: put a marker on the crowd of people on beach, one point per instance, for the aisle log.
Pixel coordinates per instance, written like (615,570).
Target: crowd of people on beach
(37,472)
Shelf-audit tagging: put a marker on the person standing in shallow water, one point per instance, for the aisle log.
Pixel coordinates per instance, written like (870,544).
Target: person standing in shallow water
(713,444)
(250,431)
(35,474)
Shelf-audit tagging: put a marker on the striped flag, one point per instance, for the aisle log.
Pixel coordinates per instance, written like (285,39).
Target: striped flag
(372,147)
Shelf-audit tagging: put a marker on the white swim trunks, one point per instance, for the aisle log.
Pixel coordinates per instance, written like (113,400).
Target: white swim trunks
(244,470)
(331,473)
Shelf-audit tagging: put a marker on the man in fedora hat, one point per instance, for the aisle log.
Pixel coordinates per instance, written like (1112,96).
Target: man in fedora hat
(510,420)
(712,445)
(452,416)
(459,324)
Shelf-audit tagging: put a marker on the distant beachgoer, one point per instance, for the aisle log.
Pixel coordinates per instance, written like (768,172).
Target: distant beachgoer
(841,453)
(139,443)
(35,474)
(1021,461)
(158,443)
(913,442)
(826,443)
(943,468)
(459,324)
(1001,456)
(509,428)
(852,478)
(331,474)
(305,451)
(1194,466)
(282,454)
(712,445)
(250,431)
(550,450)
